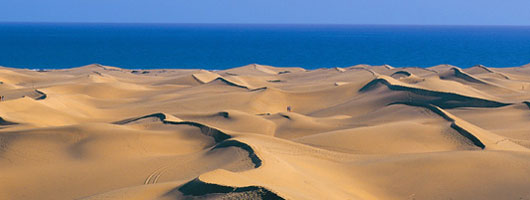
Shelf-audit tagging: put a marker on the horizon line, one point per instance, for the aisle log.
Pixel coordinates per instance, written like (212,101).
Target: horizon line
(281,24)
(198,68)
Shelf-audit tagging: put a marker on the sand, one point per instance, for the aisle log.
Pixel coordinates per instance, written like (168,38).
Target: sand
(360,132)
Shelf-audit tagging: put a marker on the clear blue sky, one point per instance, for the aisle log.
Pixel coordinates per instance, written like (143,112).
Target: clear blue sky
(437,12)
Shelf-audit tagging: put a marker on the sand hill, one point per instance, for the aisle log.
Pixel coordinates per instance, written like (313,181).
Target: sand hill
(360,132)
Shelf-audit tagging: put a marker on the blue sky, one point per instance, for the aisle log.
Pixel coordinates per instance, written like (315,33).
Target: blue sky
(435,12)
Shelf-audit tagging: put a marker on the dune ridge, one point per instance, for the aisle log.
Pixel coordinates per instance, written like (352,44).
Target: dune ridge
(479,137)
(4,122)
(443,99)
(210,77)
(527,103)
(262,132)
(218,135)
(487,70)
(467,77)
(196,187)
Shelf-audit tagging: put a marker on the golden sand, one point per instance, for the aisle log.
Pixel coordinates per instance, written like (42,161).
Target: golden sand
(361,132)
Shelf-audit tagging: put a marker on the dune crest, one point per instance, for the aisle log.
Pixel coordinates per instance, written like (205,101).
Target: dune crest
(443,99)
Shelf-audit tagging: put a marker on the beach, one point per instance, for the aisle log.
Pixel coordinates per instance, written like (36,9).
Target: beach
(265,132)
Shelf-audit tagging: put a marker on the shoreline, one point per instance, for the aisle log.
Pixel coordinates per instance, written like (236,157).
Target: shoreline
(147,69)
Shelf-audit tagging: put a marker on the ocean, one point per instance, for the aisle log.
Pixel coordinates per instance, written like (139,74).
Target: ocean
(221,46)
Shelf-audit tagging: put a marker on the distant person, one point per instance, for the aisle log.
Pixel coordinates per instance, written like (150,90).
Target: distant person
(289,109)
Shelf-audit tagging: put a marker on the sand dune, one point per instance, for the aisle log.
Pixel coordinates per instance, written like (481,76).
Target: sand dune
(359,132)
(443,98)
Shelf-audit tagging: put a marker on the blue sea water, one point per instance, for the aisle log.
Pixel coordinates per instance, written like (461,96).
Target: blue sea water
(220,46)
